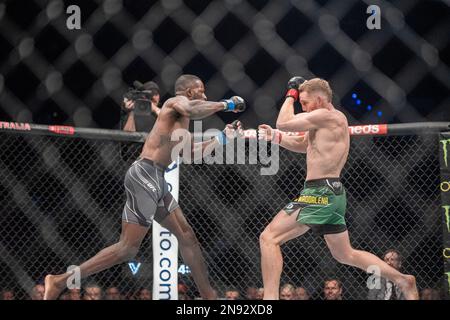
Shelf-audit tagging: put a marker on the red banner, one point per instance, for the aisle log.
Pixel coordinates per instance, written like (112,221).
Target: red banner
(62,129)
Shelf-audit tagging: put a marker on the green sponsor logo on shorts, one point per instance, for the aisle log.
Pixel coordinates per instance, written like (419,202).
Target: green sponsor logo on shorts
(312,200)
(444,148)
(447,216)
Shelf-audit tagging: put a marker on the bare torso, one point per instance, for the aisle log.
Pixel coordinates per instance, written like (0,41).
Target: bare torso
(158,145)
(327,149)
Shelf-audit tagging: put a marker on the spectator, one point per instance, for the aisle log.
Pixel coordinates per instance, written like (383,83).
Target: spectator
(130,295)
(260,294)
(64,296)
(74,294)
(144,294)
(387,290)
(430,294)
(113,293)
(8,295)
(301,294)
(93,292)
(143,99)
(332,289)
(183,292)
(251,293)
(232,294)
(182,288)
(287,292)
(183,296)
(37,293)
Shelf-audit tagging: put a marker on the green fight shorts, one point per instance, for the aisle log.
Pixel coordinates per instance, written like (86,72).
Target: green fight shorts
(322,205)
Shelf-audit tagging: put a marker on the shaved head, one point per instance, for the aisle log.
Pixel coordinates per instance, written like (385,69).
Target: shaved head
(186,81)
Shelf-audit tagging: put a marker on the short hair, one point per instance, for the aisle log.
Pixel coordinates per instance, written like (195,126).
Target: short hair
(232,289)
(288,286)
(337,281)
(151,86)
(185,82)
(92,285)
(317,85)
(400,257)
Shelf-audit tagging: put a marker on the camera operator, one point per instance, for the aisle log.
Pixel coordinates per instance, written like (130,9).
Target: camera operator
(140,107)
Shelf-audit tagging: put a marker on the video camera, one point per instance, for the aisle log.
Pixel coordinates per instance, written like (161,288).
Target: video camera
(141,95)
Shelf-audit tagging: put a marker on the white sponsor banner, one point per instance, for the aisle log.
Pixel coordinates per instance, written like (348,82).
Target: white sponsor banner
(165,249)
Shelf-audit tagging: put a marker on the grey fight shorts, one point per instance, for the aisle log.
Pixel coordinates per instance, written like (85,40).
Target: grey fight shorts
(148,196)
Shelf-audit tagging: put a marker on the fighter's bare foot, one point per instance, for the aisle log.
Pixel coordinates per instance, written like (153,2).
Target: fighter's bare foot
(409,288)
(53,287)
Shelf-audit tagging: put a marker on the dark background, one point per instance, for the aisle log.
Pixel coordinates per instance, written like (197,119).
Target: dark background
(52,75)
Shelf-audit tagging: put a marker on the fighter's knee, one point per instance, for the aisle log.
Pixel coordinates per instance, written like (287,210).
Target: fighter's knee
(266,237)
(344,257)
(410,279)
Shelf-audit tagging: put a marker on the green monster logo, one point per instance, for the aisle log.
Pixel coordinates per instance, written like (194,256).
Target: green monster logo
(444,147)
(447,216)
(448,279)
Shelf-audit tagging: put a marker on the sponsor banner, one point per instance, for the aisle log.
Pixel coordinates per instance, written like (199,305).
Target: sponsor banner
(15,126)
(444,144)
(362,130)
(62,129)
(370,129)
(444,186)
(165,248)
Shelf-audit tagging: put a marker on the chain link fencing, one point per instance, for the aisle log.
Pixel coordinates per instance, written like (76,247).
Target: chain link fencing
(77,77)
(62,200)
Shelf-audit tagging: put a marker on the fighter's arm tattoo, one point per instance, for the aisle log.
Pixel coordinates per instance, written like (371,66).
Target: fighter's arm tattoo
(198,109)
